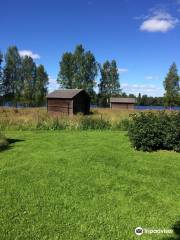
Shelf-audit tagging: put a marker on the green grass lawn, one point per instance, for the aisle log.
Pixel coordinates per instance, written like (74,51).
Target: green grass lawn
(85,185)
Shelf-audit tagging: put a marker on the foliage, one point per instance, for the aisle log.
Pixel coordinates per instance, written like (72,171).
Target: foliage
(21,81)
(109,82)
(41,85)
(87,123)
(153,131)
(123,124)
(142,100)
(12,81)
(52,124)
(172,88)
(145,100)
(29,80)
(66,73)
(78,70)
(3,142)
(85,185)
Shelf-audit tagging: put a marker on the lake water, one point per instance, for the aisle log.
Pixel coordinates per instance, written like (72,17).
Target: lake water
(156,108)
(95,106)
(148,107)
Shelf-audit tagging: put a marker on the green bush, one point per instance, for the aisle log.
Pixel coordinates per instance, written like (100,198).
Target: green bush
(89,123)
(123,124)
(172,138)
(153,131)
(54,124)
(3,142)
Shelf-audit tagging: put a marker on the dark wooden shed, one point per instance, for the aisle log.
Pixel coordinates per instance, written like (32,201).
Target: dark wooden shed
(122,103)
(68,102)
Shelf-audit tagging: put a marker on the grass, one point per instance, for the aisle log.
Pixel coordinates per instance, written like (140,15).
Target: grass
(26,119)
(85,185)
(31,114)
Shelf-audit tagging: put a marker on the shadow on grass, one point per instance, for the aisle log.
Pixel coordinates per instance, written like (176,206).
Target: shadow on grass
(8,146)
(12,140)
(176,231)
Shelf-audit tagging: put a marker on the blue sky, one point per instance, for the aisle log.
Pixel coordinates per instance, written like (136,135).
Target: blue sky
(142,36)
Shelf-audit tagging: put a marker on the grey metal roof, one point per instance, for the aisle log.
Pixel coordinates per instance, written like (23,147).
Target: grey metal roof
(122,100)
(64,93)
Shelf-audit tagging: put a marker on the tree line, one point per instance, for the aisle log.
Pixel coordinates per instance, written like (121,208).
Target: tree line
(21,80)
(79,69)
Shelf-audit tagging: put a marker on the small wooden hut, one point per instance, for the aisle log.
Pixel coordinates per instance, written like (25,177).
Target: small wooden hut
(68,102)
(122,103)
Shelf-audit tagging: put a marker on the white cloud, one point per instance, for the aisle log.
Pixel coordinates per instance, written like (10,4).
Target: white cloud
(159,21)
(29,53)
(148,89)
(53,85)
(122,70)
(151,77)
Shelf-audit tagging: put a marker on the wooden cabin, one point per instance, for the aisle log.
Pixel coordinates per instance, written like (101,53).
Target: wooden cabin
(122,103)
(68,102)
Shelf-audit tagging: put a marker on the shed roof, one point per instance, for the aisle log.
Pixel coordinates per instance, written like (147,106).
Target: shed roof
(64,93)
(122,100)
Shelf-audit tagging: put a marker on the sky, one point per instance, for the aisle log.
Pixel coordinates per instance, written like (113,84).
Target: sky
(142,36)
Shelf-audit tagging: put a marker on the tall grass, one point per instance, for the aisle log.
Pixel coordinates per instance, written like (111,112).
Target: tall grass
(113,115)
(38,118)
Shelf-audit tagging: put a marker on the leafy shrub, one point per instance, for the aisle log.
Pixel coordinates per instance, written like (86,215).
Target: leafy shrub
(3,142)
(123,124)
(87,123)
(53,124)
(172,138)
(153,131)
